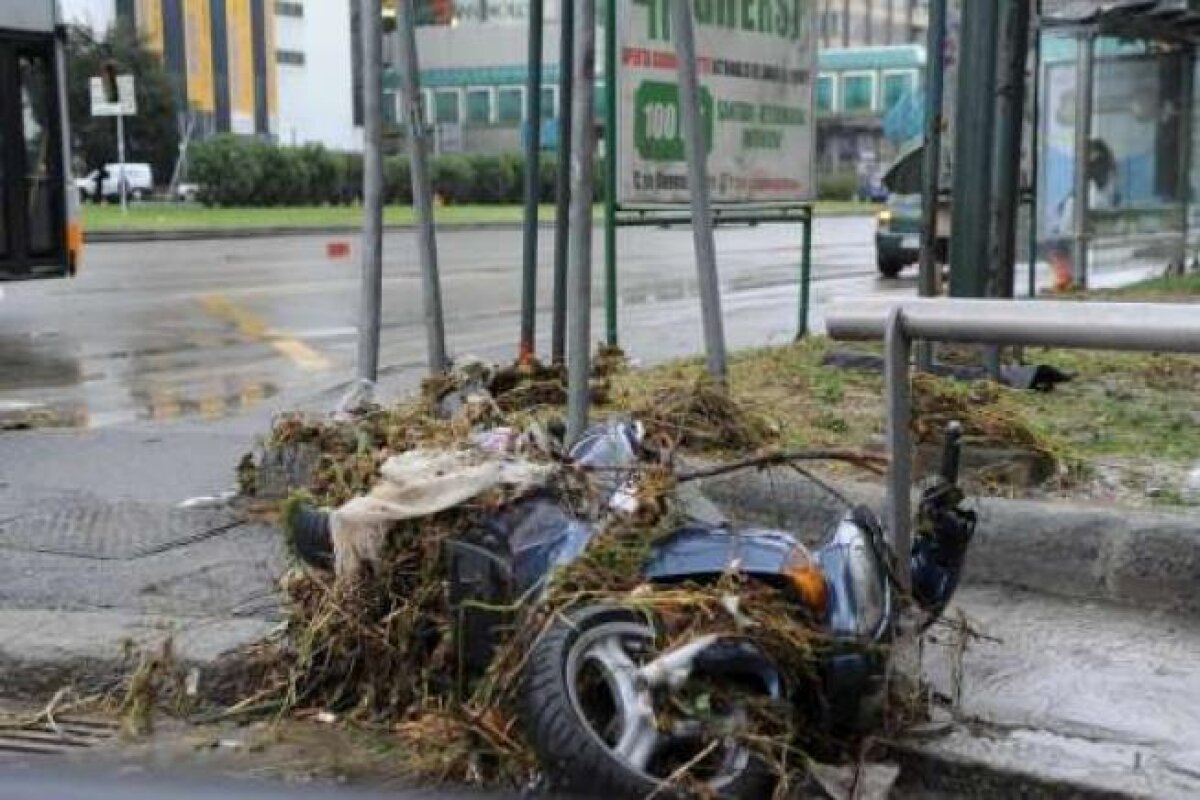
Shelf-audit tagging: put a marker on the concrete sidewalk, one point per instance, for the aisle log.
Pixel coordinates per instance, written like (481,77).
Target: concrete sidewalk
(1063,699)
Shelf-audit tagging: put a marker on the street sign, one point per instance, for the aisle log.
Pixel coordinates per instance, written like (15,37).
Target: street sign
(757,64)
(126,104)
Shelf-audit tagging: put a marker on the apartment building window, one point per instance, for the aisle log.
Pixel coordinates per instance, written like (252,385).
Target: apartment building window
(289,8)
(858,91)
(446,106)
(826,92)
(510,103)
(291,58)
(896,85)
(479,106)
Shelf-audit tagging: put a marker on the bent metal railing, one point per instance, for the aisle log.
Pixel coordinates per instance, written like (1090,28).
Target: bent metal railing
(1151,327)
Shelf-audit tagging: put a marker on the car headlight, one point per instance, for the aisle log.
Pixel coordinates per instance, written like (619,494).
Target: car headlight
(856,582)
(884,218)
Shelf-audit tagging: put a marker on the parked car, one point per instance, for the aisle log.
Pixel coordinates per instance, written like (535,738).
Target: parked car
(898,234)
(187,192)
(138,179)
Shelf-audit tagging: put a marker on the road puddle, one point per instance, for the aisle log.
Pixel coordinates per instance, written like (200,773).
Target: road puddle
(100,408)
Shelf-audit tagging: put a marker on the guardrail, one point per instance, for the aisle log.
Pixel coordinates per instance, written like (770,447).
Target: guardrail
(1151,327)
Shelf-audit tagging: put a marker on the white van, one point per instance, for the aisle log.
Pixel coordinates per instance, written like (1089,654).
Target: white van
(139,182)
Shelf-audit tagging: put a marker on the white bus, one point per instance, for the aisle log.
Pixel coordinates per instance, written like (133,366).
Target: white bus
(40,236)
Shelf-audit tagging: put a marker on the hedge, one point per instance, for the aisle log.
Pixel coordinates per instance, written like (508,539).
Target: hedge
(235,171)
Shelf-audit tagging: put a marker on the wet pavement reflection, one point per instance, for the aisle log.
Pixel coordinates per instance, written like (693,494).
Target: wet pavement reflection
(211,329)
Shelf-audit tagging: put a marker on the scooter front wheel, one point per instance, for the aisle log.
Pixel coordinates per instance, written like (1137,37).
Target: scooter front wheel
(599,728)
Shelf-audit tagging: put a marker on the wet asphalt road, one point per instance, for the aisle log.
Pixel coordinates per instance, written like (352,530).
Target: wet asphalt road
(209,329)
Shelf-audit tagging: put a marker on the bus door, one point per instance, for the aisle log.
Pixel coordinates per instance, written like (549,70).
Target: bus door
(33,200)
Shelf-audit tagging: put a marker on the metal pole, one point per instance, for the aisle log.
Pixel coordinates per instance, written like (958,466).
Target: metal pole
(697,156)
(935,72)
(370,298)
(1169,327)
(1010,123)
(805,274)
(1186,85)
(533,148)
(898,511)
(1084,63)
(610,173)
(562,184)
(973,151)
(1035,156)
(580,277)
(121,164)
(418,147)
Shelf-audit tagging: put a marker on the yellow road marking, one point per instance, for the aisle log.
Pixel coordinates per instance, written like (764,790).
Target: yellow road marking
(252,326)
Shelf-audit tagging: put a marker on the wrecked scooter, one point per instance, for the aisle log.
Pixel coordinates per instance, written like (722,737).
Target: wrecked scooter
(596,690)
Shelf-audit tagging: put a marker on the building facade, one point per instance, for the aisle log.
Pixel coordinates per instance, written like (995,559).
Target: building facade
(218,53)
(316,59)
(867,23)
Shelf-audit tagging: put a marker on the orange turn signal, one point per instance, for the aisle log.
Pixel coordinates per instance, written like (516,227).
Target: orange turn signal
(808,580)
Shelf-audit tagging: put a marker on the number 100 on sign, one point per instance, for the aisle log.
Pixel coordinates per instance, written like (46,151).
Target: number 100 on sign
(658,125)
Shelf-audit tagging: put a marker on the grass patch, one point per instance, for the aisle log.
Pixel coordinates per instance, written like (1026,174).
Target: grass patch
(1122,410)
(1178,289)
(167,216)
(175,216)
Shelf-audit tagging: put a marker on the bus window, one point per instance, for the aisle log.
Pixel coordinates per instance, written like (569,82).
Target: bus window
(37,85)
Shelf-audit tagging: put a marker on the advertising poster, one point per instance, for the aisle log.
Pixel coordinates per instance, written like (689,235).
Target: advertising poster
(757,65)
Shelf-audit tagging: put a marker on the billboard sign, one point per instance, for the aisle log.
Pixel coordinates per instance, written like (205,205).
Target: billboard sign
(757,65)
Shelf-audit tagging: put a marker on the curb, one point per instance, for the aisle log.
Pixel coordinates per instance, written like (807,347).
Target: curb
(1138,558)
(981,762)
(210,234)
(44,650)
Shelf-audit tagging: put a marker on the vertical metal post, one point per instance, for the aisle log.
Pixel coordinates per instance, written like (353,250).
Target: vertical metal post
(610,173)
(935,73)
(805,273)
(526,352)
(973,151)
(697,156)
(1010,123)
(1186,87)
(898,510)
(121,183)
(418,146)
(580,277)
(1084,75)
(1035,156)
(371,288)
(562,183)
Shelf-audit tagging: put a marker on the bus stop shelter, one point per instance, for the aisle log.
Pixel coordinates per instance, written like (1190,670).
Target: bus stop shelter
(1102,96)
(1116,133)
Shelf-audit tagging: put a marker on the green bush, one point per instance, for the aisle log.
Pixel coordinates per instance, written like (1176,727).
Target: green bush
(837,186)
(547,179)
(453,179)
(238,171)
(397,180)
(494,179)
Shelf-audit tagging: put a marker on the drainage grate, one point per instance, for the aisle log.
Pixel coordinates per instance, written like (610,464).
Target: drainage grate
(64,736)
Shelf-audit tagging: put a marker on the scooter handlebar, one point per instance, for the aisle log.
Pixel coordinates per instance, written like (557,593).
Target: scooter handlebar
(952,452)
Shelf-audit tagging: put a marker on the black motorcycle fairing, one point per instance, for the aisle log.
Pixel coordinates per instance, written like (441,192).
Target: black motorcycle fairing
(944,533)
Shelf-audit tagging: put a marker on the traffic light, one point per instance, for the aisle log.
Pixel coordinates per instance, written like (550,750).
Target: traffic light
(108,76)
